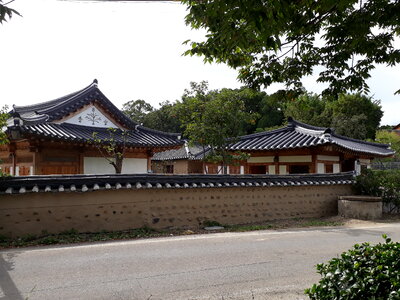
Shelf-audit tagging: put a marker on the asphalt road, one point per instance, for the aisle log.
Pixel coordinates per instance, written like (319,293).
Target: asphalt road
(250,265)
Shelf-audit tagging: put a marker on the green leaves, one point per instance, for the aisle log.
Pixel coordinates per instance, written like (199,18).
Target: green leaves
(385,184)
(275,41)
(215,118)
(364,272)
(3,123)
(111,147)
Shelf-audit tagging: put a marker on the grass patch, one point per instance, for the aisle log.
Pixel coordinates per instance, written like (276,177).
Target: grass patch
(73,236)
(312,223)
(243,228)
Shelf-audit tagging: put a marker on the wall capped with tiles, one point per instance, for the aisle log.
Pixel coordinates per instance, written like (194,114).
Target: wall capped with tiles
(33,213)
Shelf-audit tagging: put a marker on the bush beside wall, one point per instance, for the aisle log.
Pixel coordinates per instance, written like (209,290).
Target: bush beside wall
(381,183)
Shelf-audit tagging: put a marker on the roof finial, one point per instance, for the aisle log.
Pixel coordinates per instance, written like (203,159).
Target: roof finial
(95,81)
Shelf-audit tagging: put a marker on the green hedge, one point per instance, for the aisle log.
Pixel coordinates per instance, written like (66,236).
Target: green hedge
(385,184)
(363,272)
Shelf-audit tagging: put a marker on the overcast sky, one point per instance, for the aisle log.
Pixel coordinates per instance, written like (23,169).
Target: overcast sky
(134,49)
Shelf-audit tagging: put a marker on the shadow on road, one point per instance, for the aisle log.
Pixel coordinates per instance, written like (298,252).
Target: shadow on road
(7,285)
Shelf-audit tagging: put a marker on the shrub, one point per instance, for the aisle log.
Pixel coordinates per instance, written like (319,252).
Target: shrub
(363,272)
(385,184)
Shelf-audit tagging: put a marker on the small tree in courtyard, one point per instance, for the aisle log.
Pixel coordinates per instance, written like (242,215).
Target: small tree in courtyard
(111,148)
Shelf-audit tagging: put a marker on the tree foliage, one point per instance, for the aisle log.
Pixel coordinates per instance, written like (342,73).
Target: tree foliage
(214,119)
(391,138)
(352,115)
(380,183)
(137,110)
(3,123)
(164,118)
(364,272)
(283,40)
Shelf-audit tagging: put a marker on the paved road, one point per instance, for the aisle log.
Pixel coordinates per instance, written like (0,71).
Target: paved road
(251,265)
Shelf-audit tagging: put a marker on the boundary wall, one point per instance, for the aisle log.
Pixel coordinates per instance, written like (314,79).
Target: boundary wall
(111,203)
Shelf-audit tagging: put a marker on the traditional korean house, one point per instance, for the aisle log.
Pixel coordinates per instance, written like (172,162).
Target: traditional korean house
(56,137)
(295,149)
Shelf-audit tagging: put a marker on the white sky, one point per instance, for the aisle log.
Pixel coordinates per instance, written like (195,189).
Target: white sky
(134,49)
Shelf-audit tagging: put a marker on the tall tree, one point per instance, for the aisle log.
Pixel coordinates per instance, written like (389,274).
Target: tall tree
(283,41)
(164,118)
(391,138)
(137,110)
(309,108)
(351,115)
(214,119)
(356,115)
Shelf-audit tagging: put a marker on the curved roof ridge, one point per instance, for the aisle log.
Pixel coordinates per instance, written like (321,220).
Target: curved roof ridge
(70,98)
(307,126)
(25,108)
(158,131)
(263,133)
(360,141)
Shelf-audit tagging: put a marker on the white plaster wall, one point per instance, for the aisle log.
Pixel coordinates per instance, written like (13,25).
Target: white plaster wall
(320,168)
(282,170)
(328,157)
(295,158)
(241,169)
(271,169)
(99,165)
(336,168)
(261,159)
(91,116)
(134,165)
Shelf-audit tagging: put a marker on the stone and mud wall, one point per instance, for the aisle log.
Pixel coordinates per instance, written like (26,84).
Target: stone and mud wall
(119,209)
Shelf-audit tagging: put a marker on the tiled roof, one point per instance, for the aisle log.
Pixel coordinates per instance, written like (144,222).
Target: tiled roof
(85,183)
(38,121)
(57,109)
(185,152)
(141,137)
(299,135)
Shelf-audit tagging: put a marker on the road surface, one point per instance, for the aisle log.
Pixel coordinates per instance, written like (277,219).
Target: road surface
(250,265)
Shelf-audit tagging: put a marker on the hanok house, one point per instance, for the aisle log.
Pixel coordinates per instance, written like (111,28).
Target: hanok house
(295,149)
(54,137)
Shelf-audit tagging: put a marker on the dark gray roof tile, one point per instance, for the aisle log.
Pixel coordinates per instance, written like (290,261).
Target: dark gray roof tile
(86,183)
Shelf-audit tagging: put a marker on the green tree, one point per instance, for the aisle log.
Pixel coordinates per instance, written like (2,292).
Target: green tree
(310,109)
(283,41)
(391,138)
(214,119)
(356,116)
(353,115)
(272,110)
(137,110)
(3,124)
(112,148)
(164,118)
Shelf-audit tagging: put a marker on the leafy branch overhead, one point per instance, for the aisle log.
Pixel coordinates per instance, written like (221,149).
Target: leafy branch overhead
(6,12)
(283,41)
